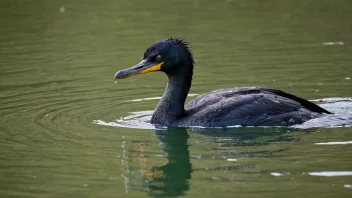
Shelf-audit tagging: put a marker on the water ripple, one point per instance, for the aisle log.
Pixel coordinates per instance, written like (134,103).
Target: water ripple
(341,107)
(331,173)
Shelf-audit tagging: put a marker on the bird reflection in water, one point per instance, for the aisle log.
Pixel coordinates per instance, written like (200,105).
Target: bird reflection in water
(172,179)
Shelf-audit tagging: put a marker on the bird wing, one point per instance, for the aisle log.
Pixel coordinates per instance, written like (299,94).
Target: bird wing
(250,106)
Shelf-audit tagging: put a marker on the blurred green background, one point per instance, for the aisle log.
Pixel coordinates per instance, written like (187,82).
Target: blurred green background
(58,59)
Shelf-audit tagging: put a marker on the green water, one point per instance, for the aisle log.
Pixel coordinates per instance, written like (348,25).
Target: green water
(57,62)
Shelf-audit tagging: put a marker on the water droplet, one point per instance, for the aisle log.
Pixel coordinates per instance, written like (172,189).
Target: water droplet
(347,78)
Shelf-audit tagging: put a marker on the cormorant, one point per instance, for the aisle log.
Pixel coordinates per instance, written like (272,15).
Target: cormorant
(247,106)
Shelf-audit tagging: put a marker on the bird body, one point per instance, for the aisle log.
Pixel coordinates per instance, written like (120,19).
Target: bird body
(246,106)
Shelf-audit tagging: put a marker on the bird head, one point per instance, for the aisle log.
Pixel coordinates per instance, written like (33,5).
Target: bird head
(167,55)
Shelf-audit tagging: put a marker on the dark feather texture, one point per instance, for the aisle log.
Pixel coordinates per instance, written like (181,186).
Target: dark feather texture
(250,106)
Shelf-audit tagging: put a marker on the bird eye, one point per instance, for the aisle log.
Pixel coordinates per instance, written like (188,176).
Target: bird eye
(158,57)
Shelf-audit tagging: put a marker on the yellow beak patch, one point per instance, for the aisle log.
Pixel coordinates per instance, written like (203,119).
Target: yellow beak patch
(156,67)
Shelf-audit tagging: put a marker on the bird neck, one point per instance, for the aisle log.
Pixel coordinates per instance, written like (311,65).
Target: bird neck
(171,105)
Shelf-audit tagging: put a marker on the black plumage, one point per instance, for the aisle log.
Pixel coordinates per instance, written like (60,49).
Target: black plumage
(247,106)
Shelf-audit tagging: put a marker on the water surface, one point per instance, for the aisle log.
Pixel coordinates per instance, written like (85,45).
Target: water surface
(57,62)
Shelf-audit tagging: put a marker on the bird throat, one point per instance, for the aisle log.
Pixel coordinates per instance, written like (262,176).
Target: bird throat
(171,106)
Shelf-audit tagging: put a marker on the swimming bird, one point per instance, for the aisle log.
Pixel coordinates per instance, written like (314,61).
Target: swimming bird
(246,106)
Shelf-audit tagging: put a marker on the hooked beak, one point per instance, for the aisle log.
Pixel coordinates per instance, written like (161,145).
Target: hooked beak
(143,67)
